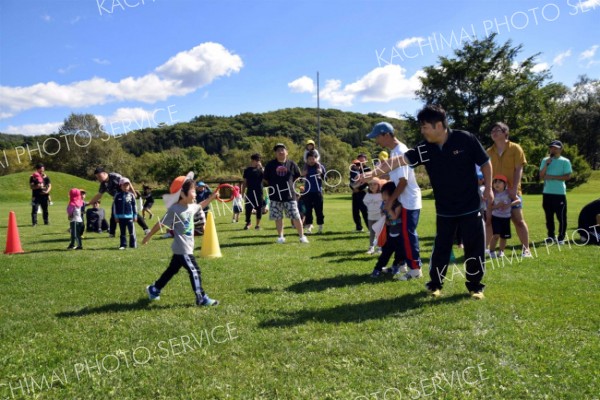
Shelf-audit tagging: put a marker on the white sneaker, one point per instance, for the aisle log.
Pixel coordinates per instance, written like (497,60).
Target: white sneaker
(561,242)
(308,230)
(371,250)
(146,231)
(320,229)
(412,274)
(378,250)
(121,248)
(303,239)
(493,254)
(281,240)
(526,254)
(500,254)
(404,269)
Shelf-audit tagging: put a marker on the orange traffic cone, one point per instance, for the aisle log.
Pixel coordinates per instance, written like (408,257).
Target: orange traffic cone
(13,242)
(210,241)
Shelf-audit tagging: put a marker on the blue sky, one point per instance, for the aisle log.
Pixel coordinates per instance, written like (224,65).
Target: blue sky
(136,63)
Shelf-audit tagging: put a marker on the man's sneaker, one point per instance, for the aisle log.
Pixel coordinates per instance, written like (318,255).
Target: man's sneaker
(51,203)
(371,250)
(122,248)
(207,301)
(376,274)
(320,230)
(257,228)
(403,269)
(78,248)
(246,227)
(359,230)
(70,247)
(412,274)
(500,254)
(153,294)
(493,254)
(303,239)
(308,230)
(526,254)
(433,292)
(477,295)
(281,240)
(561,242)
(378,250)
(389,270)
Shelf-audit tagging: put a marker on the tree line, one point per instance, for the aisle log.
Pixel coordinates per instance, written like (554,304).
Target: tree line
(480,84)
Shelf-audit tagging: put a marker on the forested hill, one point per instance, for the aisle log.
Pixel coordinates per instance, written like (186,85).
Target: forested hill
(218,134)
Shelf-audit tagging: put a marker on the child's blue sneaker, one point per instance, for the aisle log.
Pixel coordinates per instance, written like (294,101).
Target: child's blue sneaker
(207,301)
(153,294)
(375,274)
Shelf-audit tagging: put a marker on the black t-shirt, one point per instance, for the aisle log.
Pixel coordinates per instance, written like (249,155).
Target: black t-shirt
(39,192)
(587,216)
(111,186)
(355,172)
(281,177)
(451,171)
(254,179)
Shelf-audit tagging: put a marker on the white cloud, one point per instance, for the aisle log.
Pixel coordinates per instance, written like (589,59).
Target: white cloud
(34,129)
(182,74)
(385,84)
(332,93)
(560,58)
(122,120)
(589,4)
(382,84)
(303,84)
(589,53)
(100,61)
(540,67)
(46,18)
(390,114)
(404,43)
(67,69)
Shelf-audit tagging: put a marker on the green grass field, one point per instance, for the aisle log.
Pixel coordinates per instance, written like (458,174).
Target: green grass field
(295,321)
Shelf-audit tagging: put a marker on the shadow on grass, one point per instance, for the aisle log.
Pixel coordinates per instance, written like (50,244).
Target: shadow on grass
(260,290)
(376,309)
(340,281)
(245,244)
(141,304)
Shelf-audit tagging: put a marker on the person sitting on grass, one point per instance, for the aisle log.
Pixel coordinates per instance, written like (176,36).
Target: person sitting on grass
(392,210)
(181,207)
(96,219)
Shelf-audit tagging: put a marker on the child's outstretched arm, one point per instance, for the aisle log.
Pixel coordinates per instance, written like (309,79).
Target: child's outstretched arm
(154,229)
(207,201)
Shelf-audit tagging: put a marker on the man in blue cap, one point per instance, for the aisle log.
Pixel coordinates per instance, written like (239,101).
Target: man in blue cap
(408,194)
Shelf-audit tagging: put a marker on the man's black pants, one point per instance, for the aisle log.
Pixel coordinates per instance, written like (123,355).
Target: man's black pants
(358,208)
(555,204)
(472,226)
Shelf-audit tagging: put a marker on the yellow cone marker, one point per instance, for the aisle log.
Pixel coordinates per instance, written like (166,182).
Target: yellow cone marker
(210,240)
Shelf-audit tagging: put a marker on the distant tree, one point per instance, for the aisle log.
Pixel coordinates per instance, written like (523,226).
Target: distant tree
(485,83)
(582,125)
(80,145)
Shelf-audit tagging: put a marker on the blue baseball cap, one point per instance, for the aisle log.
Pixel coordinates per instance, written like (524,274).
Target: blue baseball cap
(200,183)
(380,129)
